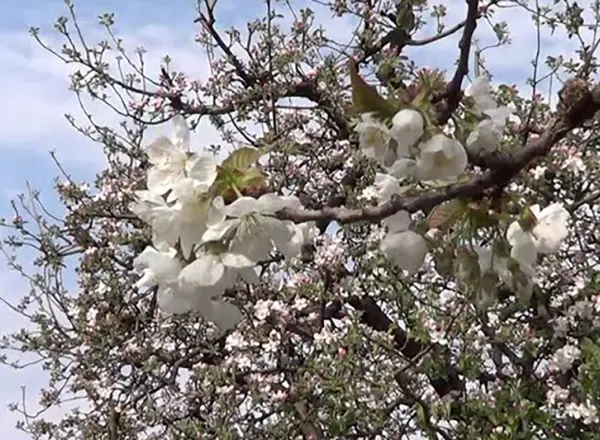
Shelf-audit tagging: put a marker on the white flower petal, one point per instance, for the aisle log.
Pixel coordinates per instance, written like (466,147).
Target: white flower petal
(386,186)
(170,302)
(206,270)
(441,158)
(499,116)
(406,249)
(270,203)
(220,230)
(551,228)
(402,168)
(236,260)
(515,233)
(525,253)
(163,265)
(161,180)
(287,237)
(181,133)
(203,168)
(159,151)
(480,90)
(407,128)
(242,206)
(373,138)
(484,137)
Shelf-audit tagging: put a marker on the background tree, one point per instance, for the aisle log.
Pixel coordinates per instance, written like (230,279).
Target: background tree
(341,342)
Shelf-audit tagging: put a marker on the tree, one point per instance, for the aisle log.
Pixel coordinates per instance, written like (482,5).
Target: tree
(393,254)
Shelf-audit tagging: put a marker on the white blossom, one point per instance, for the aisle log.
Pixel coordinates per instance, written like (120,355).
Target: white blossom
(384,187)
(481,92)
(404,247)
(375,139)
(407,128)
(186,221)
(441,158)
(546,236)
(252,231)
(169,158)
(175,294)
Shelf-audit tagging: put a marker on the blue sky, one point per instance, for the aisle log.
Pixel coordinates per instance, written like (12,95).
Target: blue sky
(34,93)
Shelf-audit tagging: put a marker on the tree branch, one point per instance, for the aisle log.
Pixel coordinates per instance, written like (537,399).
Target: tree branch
(453,91)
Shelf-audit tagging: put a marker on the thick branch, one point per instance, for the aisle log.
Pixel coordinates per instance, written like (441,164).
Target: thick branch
(375,318)
(453,91)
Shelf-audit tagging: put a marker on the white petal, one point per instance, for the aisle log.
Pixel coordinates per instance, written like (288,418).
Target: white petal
(161,180)
(406,249)
(407,127)
(207,270)
(480,90)
(203,168)
(216,213)
(308,231)
(185,190)
(374,139)
(551,229)
(170,302)
(479,87)
(397,222)
(287,237)
(484,137)
(525,253)
(242,206)
(255,246)
(166,224)
(181,133)
(402,168)
(489,261)
(220,230)
(386,186)
(147,280)
(236,260)
(271,203)
(145,204)
(159,151)
(441,158)
(515,234)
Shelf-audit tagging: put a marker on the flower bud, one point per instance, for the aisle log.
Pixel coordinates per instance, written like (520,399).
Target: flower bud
(407,128)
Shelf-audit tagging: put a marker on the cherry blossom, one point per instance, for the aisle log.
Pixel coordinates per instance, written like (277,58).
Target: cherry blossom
(441,158)
(546,236)
(405,248)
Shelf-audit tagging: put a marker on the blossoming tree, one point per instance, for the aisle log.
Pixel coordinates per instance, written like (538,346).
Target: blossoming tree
(396,252)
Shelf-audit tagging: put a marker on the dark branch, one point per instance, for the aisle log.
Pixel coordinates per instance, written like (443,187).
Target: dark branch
(453,92)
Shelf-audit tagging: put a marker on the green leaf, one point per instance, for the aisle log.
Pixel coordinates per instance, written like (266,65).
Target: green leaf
(242,159)
(252,177)
(442,216)
(365,97)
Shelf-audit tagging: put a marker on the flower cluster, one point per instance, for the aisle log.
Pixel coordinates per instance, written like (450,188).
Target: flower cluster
(202,244)
(487,133)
